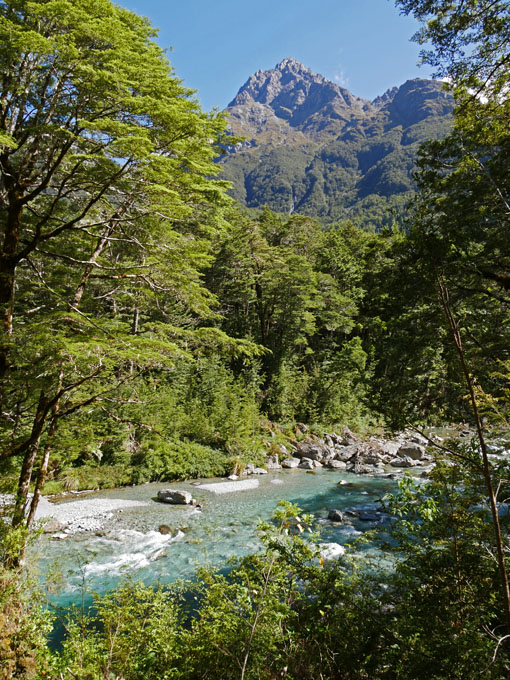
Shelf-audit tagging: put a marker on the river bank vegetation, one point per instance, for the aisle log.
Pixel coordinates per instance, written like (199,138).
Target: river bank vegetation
(152,330)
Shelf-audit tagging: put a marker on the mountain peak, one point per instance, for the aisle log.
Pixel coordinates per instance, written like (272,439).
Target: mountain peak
(294,93)
(292,65)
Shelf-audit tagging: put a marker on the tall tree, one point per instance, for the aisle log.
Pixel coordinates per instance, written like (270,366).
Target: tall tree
(107,205)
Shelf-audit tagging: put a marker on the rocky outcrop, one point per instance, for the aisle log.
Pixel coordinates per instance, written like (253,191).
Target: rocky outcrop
(412,450)
(347,452)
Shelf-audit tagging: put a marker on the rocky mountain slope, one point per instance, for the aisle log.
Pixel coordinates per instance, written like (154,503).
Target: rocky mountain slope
(313,147)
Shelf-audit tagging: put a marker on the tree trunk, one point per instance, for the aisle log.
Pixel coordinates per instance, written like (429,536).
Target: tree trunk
(9,260)
(500,550)
(28,462)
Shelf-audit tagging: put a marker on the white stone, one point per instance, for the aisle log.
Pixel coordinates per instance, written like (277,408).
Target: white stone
(230,487)
(331,551)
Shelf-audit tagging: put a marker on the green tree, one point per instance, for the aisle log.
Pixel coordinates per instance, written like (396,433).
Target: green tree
(107,208)
(470,40)
(461,215)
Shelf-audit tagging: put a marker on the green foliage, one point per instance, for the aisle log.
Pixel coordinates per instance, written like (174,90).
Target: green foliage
(469,40)
(24,626)
(448,612)
(162,461)
(134,633)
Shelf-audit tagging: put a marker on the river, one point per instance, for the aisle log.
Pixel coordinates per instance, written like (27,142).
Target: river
(130,542)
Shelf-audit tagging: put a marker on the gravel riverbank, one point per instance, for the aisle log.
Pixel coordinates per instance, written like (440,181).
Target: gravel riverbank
(89,514)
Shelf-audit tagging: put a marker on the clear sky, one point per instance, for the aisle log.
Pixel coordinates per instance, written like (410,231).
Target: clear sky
(363,45)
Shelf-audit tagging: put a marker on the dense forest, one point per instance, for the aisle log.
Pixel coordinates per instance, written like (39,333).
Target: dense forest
(154,330)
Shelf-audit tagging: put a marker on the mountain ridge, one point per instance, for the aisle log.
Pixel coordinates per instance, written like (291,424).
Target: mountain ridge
(312,146)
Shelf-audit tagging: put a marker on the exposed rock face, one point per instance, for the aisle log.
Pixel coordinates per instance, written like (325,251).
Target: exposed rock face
(315,148)
(296,95)
(347,452)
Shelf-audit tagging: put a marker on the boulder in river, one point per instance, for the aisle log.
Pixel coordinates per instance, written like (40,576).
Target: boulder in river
(336,464)
(412,450)
(175,497)
(290,462)
(53,526)
(402,462)
(272,462)
(331,551)
(313,450)
(335,516)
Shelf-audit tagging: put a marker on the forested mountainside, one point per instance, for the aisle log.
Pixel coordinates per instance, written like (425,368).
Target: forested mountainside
(314,148)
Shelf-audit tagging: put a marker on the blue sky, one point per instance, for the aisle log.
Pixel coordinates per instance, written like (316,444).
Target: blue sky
(363,45)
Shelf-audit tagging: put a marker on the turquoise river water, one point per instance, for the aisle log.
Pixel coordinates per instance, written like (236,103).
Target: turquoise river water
(130,542)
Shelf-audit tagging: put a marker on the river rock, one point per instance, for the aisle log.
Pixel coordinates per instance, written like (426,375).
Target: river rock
(175,497)
(306,464)
(369,517)
(360,469)
(372,458)
(336,464)
(54,526)
(259,471)
(402,462)
(348,438)
(331,551)
(248,470)
(164,529)
(346,452)
(312,450)
(233,478)
(335,516)
(273,463)
(418,438)
(412,450)
(386,447)
(290,462)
